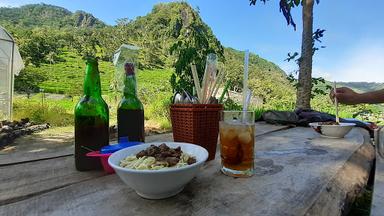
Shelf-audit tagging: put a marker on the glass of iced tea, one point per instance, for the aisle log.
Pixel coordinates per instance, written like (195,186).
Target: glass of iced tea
(237,140)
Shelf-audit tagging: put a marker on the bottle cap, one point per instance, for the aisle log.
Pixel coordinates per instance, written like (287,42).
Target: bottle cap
(129,68)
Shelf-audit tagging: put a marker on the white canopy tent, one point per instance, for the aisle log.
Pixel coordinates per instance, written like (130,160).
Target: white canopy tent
(10,64)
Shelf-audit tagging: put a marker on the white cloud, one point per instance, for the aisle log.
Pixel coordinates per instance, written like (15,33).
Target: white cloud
(319,72)
(363,63)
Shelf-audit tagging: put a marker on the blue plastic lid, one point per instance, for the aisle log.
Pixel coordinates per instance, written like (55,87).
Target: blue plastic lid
(123,143)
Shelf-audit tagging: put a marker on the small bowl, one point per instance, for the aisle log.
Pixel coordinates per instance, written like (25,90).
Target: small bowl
(158,184)
(107,151)
(332,131)
(104,160)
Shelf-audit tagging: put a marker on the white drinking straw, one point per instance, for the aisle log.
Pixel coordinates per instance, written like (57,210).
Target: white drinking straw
(246,91)
(245,80)
(248,98)
(248,95)
(336,103)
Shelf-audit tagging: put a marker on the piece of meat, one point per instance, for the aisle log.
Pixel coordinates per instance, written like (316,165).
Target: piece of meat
(152,150)
(164,154)
(142,153)
(191,160)
(176,154)
(172,161)
(178,149)
(163,147)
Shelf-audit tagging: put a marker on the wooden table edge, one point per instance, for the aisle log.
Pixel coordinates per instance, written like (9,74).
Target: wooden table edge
(348,182)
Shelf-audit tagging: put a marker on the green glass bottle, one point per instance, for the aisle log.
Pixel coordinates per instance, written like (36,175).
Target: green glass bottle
(91,120)
(130,113)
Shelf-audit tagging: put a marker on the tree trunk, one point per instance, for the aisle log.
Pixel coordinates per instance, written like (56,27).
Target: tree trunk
(303,96)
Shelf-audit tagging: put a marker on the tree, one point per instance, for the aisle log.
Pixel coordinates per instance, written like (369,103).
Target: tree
(304,90)
(86,43)
(28,81)
(193,41)
(38,46)
(304,86)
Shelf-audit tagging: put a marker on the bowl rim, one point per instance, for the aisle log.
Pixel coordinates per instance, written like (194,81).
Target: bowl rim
(342,124)
(198,163)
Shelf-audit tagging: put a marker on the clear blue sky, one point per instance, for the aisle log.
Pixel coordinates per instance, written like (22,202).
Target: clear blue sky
(354,32)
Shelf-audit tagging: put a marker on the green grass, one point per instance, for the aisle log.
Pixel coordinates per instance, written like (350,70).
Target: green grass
(56,112)
(154,91)
(66,76)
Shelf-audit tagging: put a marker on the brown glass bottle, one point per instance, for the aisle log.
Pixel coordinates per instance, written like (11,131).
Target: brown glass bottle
(130,113)
(91,120)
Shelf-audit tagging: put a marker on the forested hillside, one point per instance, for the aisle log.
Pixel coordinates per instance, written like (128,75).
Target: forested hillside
(51,37)
(266,79)
(39,15)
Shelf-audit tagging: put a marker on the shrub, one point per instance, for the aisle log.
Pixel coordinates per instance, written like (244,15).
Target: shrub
(56,115)
(2,116)
(230,104)
(259,113)
(158,108)
(165,124)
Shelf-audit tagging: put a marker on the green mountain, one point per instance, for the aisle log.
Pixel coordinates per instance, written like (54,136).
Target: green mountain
(39,15)
(162,35)
(266,79)
(362,86)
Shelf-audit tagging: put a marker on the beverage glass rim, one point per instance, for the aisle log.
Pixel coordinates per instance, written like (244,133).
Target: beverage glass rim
(247,116)
(237,111)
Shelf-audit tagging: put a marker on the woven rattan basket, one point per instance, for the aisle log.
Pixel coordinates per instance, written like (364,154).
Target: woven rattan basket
(197,124)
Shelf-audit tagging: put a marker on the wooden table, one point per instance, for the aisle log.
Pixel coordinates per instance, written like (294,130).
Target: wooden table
(377,208)
(297,173)
(378,190)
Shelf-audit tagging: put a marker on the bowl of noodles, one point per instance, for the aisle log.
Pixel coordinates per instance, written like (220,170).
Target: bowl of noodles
(158,170)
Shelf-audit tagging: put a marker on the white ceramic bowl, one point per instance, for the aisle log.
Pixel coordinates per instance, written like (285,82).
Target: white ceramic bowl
(158,184)
(332,131)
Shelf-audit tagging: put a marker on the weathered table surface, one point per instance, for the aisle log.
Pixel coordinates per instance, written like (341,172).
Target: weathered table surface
(297,173)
